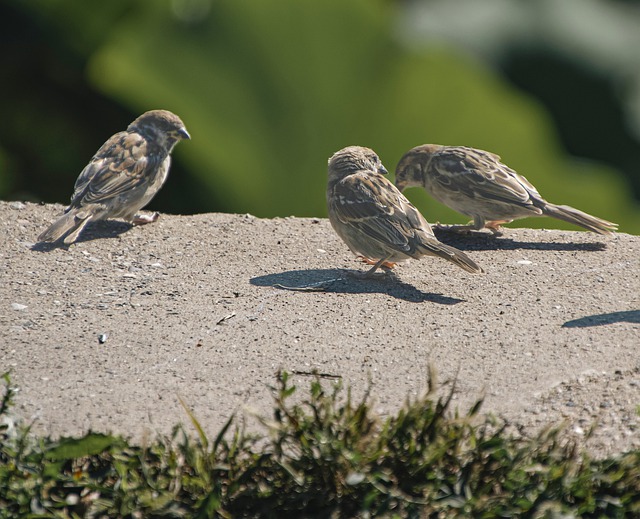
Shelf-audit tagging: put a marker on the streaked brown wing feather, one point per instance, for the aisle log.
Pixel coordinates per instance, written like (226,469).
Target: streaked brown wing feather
(120,165)
(479,175)
(368,202)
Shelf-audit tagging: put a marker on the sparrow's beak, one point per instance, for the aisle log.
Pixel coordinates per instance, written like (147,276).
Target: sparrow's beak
(184,133)
(382,170)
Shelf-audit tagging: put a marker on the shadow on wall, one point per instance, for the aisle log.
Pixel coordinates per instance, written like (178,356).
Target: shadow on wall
(480,240)
(342,282)
(628,316)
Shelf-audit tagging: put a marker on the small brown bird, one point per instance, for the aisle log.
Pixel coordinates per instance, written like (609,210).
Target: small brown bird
(374,219)
(477,184)
(122,177)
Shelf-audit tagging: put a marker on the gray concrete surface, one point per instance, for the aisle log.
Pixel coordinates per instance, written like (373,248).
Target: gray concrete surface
(106,334)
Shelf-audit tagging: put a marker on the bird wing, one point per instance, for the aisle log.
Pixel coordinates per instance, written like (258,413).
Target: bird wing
(479,175)
(370,203)
(120,165)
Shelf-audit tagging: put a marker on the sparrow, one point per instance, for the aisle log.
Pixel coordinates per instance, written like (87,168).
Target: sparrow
(122,177)
(375,220)
(476,183)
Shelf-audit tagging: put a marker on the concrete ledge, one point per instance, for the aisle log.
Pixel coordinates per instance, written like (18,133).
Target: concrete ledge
(105,335)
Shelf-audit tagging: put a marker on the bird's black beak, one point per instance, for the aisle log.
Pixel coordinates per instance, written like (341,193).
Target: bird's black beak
(184,133)
(382,170)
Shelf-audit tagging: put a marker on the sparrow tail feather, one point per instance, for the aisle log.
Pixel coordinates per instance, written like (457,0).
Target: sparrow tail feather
(454,256)
(68,225)
(577,217)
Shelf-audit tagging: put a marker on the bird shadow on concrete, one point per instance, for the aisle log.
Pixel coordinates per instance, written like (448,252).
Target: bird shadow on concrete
(94,231)
(340,281)
(628,316)
(485,241)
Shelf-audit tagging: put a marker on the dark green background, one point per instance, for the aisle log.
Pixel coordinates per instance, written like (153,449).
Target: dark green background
(270,89)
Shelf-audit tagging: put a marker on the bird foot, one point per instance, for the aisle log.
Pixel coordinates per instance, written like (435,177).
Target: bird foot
(470,228)
(494,226)
(384,265)
(357,274)
(373,272)
(143,219)
(456,228)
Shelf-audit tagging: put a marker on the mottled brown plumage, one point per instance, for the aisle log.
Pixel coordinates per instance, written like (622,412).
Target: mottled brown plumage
(476,183)
(122,177)
(374,219)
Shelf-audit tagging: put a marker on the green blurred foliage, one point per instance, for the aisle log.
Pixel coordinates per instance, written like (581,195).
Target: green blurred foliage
(269,90)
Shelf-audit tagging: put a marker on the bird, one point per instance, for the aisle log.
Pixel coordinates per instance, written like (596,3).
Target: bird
(375,220)
(476,183)
(122,177)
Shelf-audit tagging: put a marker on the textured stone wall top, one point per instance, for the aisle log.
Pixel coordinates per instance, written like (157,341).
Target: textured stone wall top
(106,334)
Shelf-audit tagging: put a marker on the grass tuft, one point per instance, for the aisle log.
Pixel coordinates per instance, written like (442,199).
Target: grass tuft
(323,455)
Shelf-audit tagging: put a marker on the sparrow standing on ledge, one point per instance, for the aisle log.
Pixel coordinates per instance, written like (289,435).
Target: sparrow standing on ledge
(122,177)
(375,220)
(475,183)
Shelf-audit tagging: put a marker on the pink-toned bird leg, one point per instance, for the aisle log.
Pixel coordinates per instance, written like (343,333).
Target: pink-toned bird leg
(384,264)
(494,226)
(142,219)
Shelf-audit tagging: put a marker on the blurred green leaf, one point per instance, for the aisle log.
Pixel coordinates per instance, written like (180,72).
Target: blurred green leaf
(89,445)
(269,90)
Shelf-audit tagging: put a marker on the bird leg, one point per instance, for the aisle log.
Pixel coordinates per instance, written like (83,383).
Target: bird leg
(473,225)
(457,228)
(494,226)
(380,264)
(142,219)
(385,264)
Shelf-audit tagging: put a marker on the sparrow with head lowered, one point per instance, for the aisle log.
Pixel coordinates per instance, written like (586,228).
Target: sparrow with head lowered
(375,220)
(122,177)
(476,183)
